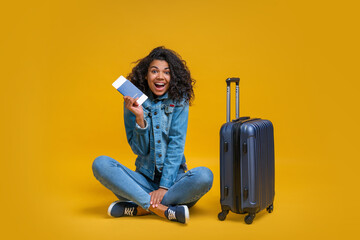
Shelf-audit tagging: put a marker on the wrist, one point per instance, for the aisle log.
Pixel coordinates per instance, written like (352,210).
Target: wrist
(140,121)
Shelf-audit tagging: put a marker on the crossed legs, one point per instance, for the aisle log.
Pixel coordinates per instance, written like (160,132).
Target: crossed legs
(130,185)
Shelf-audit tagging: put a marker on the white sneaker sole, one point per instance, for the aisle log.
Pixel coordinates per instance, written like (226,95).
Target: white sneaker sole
(110,207)
(187,216)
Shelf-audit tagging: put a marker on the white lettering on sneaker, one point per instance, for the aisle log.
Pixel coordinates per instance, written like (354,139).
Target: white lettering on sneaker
(171,214)
(129,211)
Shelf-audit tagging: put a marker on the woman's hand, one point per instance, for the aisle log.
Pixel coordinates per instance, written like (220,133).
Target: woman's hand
(157,196)
(133,106)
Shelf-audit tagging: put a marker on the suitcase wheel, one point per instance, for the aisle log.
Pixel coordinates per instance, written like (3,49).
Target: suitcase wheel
(249,218)
(222,215)
(270,208)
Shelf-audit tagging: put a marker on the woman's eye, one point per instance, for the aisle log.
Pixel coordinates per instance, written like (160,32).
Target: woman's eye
(154,71)
(167,73)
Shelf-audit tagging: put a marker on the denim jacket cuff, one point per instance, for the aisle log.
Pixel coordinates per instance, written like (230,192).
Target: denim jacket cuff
(141,130)
(165,183)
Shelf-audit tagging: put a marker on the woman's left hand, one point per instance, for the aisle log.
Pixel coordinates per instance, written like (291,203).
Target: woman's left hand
(157,196)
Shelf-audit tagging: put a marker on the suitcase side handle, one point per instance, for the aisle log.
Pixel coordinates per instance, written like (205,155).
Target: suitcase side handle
(228,97)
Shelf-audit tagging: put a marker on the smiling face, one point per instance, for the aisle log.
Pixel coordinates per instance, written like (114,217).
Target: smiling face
(158,77)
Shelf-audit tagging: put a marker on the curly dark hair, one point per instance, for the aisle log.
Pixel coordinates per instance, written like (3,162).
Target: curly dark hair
(181,84)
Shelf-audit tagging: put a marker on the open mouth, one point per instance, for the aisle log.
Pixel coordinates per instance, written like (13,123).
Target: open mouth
(159,86)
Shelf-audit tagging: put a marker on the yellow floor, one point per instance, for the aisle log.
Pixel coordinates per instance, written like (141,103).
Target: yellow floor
(66,202)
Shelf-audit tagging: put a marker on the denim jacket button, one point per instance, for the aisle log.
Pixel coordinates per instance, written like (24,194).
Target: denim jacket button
(158,141)
(160,155)
(155,113)
(157,127)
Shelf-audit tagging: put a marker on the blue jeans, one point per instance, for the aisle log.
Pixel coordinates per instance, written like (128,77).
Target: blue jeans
(133,186)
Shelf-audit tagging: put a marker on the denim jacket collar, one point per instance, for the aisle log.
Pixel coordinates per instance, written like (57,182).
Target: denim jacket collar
(165,98)
(151,98)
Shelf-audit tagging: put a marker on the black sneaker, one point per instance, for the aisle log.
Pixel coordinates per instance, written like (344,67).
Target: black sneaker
(178,214)
(119,209)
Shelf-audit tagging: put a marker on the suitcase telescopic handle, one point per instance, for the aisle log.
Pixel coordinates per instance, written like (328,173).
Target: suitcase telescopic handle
(228,97)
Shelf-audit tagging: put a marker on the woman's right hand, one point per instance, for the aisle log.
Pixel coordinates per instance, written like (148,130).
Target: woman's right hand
(136,109)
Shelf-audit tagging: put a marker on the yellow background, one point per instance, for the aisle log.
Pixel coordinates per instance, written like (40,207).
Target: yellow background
(298,62)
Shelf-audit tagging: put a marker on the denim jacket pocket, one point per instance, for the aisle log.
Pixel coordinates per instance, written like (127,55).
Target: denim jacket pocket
(169,109)
(167,116)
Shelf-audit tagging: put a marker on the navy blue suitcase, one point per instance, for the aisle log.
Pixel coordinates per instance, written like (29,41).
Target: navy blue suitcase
(247,171)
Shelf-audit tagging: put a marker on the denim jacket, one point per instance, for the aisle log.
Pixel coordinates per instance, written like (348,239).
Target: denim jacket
(160,144)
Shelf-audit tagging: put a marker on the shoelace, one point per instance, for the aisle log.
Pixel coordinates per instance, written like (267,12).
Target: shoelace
(171,214)
(129,211)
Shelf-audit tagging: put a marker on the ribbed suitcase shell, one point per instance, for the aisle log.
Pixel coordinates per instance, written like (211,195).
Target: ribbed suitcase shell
(246,167)
(247,172)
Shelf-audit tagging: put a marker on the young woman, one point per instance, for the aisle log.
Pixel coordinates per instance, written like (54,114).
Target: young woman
(156,132)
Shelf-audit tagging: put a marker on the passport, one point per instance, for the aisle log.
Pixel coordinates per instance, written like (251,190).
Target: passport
(127,88)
